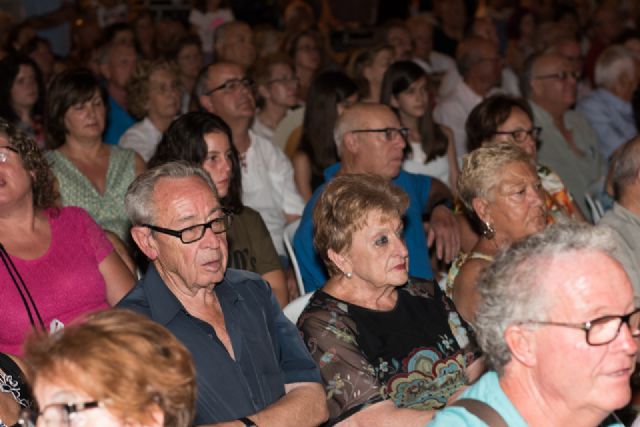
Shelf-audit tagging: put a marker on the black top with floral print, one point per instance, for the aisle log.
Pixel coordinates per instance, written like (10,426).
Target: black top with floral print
(414,354)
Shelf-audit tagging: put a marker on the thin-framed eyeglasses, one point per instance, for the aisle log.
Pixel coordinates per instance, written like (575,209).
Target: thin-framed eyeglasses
(4,152)
(389,133)
(602,330)
(56,414)
(196,232)
(520,135)
(562,75)
(232,85)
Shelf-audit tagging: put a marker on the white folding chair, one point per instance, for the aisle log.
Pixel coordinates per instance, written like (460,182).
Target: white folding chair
(294,309)
(289,231)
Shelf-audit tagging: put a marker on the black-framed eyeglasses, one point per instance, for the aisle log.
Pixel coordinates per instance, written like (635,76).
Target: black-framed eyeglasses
(285,80)
(602,330)
(196,232)
(56,414)
(520,135)
(233,85)
(562,75)
(4,152)
(389,133)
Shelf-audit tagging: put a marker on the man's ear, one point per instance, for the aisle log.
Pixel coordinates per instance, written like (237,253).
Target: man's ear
(105,70)
(394,101)
(481,207)
(522,344)
(263,91)
(205,102)
(341,261)
(350,143)
(145,241)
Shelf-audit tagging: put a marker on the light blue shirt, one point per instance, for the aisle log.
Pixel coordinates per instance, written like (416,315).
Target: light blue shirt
(611,117)
(487,389)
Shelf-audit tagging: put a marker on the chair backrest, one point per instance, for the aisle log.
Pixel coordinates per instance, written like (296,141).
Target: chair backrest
(595,207)
(294,309)
(289,231)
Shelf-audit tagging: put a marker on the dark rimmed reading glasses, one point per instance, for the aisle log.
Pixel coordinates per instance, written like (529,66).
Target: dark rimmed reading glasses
(56,414)
(602,330)
(196,232)
(389,133)
(520,135)
(4,152)
(233,85)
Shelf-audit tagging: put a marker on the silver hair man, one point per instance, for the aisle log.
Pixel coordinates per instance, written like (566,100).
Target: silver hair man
(138,201)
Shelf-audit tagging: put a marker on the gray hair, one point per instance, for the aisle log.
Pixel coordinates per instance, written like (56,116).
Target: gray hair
(138,202)
(467,53)
(201,86)
(527,74)
(512,289)
(352,118)
(612,64)
(626,165)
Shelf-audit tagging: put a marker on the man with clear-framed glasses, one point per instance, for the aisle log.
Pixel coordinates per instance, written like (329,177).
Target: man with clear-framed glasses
(252,367)
(558,322)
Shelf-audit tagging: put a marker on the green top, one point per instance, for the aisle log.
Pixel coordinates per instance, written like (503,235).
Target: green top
(76,190)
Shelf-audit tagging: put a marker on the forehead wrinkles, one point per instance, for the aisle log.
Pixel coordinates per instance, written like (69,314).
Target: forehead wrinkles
(218,74)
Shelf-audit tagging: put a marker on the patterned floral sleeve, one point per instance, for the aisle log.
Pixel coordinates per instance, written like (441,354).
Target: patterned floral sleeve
(330,335)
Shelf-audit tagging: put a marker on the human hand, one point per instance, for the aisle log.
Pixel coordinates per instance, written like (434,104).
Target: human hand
(443,229)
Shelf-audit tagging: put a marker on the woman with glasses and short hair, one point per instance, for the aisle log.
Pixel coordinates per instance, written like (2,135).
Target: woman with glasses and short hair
(116,368)
(503,201)
(277,93)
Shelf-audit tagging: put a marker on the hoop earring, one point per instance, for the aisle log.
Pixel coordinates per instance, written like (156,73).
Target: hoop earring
(488,231)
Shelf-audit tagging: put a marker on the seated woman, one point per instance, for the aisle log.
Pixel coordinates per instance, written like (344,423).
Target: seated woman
(116,368)
(503,200)
(90,173)
(204,139)
(153,96)
(22,92)
(390,352)
(277,90)
(330,93)
(15,393)
(56,262)
(367,68)
(430,148)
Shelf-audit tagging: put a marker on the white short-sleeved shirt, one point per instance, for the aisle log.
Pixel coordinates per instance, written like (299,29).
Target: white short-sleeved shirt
(143,138)
(269,188)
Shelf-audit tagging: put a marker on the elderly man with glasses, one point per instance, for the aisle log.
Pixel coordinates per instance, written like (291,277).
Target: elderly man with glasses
(267,174)
(569,145)
(558,324)
(252,367)
(370,140)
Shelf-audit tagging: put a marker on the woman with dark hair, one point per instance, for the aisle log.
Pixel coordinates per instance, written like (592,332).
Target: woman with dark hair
(188,57)
(367,68)
(145,33)
(90,173)
(205,140)
(305,49)
(22,94)
(330,93)
(430,149)
(56,263)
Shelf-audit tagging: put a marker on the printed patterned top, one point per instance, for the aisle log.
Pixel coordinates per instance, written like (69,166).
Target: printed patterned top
(414,354)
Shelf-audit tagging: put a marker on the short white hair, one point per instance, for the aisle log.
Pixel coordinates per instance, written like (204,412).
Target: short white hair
(613,63)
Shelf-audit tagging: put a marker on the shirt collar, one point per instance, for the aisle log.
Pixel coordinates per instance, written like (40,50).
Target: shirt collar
(613,100)
(165,305)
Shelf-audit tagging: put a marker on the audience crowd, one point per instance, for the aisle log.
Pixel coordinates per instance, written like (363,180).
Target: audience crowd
(306,213)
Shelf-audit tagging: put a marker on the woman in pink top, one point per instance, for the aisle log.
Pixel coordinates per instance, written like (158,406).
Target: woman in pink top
(55,263)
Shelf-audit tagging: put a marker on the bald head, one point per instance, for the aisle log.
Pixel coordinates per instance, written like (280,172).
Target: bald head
(358,116)
(550,81)
(234,42)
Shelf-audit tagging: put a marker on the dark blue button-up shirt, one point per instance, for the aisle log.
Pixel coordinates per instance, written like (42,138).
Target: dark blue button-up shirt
(269,352)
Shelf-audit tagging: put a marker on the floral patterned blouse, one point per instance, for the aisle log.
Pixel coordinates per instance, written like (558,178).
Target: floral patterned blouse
(414,354)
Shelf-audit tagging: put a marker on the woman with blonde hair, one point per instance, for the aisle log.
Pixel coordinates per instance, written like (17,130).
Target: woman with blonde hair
(116,368)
